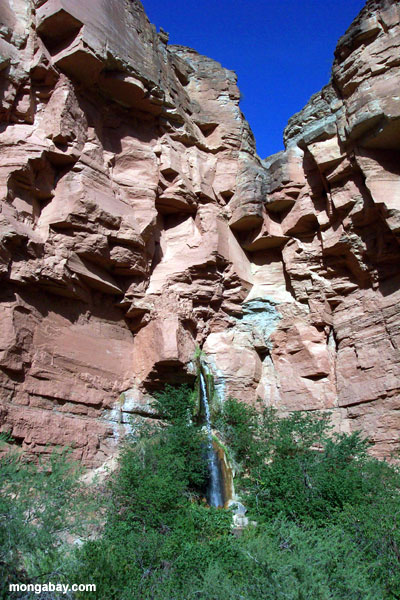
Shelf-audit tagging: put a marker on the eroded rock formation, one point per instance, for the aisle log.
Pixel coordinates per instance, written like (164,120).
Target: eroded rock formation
(137,222)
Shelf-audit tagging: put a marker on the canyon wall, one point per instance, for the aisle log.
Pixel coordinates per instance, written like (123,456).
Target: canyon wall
(138,223)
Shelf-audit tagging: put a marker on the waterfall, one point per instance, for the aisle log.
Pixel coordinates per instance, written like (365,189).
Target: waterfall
(215,489)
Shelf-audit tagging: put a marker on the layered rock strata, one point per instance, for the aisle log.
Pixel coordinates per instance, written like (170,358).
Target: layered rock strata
(137,223)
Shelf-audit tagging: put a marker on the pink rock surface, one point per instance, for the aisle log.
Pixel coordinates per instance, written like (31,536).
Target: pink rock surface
(137,222)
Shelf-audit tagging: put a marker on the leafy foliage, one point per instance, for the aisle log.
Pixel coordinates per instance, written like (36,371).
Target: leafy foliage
(182,439)
(326,514)
(297,471)
(239,425)
(39,504)
(157,524)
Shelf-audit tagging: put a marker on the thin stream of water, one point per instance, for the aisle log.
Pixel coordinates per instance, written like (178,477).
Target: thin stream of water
(215,488)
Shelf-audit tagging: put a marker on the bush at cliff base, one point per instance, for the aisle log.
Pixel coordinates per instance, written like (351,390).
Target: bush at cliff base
(40,505)
(327,514)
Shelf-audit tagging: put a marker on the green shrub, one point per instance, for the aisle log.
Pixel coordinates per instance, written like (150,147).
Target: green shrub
(285,561)
(39,504)
(306,488)
(327,514)
(239,426)
(311,477)
(306,472)
(183,438)
(154,518)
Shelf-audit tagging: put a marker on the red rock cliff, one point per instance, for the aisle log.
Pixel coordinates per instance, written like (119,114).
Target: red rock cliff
(137,221)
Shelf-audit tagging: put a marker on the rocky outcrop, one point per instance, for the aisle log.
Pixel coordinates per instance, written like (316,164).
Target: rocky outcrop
(137,223)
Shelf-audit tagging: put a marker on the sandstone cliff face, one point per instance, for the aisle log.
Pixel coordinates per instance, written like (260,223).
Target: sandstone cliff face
(137,222)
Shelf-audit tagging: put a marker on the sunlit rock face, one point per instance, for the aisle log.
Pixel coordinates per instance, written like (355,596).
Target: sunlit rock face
(137,222)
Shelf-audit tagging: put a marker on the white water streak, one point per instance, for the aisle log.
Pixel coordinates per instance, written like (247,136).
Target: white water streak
(215,492)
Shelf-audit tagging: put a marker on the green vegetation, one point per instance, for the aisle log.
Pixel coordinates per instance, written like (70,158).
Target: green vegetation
(39,505)
(327,514)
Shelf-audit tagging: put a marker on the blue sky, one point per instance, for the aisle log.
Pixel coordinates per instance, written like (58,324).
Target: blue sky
(281,50)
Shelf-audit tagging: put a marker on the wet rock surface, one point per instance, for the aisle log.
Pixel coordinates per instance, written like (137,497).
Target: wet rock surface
(137,222)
